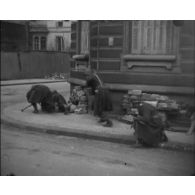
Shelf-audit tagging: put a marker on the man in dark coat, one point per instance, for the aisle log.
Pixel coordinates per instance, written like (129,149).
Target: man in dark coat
(46,98)
(40,94)
(103,103)
(149,126)
(59,101)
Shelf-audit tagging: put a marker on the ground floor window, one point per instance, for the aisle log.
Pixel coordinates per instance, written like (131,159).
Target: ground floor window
(152,37)
(43,43)
(36,43)
(39,43)
(60,43)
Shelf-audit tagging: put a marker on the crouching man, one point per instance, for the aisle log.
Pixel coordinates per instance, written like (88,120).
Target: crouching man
(149,126)
(49,101)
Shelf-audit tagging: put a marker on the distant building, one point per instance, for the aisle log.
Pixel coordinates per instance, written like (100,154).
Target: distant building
(156,56)
(51,35)
(14,35)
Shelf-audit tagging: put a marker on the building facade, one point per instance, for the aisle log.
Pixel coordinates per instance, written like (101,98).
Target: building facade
(50,35)
(25,46)
(156,56)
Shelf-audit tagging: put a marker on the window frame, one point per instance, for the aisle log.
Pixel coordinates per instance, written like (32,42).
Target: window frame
(60,42)
(131,61)
(36,43)
(38,46)
(154,37)
(59,24)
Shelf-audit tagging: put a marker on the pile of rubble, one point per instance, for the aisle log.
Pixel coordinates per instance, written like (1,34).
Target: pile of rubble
(57,75)
(133,99)
(79,100)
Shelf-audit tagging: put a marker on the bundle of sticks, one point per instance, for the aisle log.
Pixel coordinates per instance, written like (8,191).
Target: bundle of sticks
(23,109)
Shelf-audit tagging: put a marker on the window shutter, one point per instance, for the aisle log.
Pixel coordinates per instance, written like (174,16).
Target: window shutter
(43,43)
(36,43)
(147,37)
(84,37)
(152,37)
(169,34)
(163,37)
(136,37)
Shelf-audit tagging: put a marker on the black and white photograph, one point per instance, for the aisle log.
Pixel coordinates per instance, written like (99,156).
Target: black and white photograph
(97,97)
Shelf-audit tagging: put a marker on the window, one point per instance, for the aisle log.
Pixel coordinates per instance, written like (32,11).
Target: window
(43,43)
(84,37)
(59,24)
(39,43)
(36,43)
(150,43)
(60,43)
(152,37)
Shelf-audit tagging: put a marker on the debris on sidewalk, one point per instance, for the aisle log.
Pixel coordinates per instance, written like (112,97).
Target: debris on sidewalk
(163,104)
(133,99)
(86,102)
(78,99)
(57,76)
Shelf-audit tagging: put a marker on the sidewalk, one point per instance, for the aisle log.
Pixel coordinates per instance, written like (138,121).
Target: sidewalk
(30,81)
(85,126)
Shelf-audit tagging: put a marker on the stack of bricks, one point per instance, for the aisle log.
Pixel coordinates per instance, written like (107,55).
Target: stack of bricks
(131,101)
(134,98)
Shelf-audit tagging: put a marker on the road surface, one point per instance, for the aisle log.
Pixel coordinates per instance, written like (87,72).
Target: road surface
(29,153)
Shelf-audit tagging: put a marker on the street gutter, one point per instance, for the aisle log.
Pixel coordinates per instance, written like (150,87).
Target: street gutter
(107,138)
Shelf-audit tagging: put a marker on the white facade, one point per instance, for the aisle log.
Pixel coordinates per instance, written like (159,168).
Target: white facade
(57,34)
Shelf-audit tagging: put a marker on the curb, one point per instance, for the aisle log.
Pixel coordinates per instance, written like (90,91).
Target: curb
(175,129)
(107,138)
(69,132)
(35,82)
